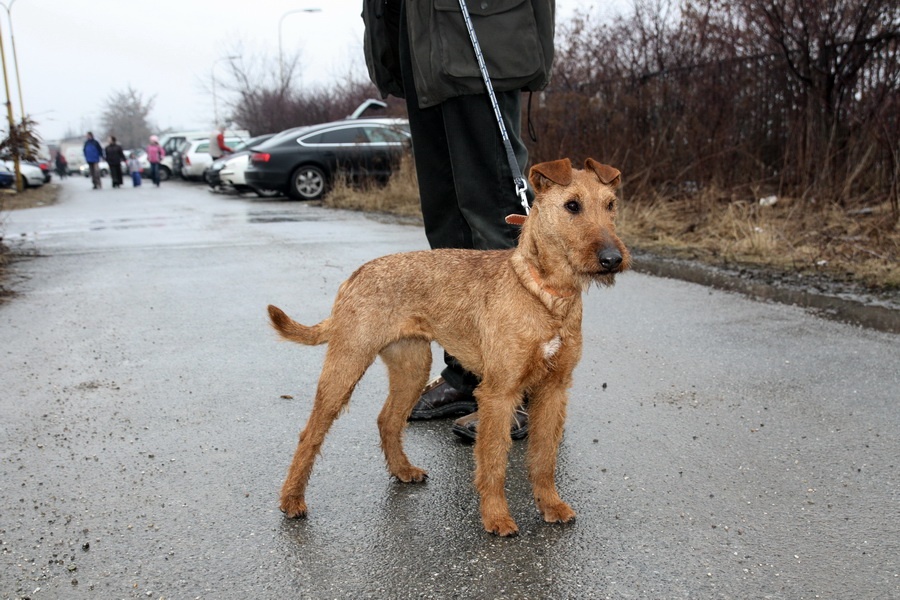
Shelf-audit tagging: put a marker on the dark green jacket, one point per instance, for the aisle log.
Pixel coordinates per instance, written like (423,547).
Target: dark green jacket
(516,39)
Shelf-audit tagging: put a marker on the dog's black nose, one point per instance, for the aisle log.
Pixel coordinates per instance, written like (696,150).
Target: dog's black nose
(610,259)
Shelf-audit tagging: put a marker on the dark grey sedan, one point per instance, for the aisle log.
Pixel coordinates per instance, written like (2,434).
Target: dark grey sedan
(303,162)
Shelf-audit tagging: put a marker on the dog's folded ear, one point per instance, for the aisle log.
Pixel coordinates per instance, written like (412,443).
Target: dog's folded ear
(608,175)
(556,171)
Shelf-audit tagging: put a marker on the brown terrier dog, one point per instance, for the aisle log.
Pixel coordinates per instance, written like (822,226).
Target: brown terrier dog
(513,317)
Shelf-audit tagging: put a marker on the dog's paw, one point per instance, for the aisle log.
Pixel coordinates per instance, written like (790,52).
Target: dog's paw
(559,512)
(411,474)
(503,526)
(293,507)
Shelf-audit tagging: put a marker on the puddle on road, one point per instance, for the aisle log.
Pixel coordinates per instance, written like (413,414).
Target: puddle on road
(186,220)
(253,216)
(279,217)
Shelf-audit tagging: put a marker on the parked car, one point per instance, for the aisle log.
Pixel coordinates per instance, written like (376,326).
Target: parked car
(370,104)
(196,158)
(228,171)
(303,162)
(32,176)
(7,177)
(173,141)
(46,169)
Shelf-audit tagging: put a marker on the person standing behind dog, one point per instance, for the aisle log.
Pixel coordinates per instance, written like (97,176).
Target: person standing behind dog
(418,52)
(93,152)
(155,154)
(115,156)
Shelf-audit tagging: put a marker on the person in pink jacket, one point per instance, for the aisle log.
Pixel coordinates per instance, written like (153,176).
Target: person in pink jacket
(155,154)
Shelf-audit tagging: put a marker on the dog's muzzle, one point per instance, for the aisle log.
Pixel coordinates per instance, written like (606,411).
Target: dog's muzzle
(610,259)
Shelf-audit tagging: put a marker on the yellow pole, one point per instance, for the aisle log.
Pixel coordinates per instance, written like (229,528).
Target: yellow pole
(12,38)
(9,113)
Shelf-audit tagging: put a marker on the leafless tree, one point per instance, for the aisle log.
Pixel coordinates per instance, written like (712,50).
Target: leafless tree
(126,116)
(265,102)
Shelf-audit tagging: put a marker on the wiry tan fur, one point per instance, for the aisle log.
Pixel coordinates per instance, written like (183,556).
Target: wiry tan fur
(511,316)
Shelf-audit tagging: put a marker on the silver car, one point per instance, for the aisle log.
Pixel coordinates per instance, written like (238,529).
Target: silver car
(32,176)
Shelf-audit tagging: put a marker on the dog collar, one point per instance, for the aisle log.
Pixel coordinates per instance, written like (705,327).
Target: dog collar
(550,290)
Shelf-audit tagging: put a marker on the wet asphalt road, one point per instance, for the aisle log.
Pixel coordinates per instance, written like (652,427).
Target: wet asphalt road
(716,447)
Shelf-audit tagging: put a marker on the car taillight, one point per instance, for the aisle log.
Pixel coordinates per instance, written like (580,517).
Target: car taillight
(261,157)
(187,160)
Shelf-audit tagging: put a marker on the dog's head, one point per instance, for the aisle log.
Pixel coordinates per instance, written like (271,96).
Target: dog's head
(575,210)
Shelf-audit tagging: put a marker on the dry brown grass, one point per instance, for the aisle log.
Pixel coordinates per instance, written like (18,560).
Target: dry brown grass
(856,245)
(29,198)
(400,196)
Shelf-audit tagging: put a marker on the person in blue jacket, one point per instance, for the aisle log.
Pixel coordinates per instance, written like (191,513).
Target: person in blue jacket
(93,154)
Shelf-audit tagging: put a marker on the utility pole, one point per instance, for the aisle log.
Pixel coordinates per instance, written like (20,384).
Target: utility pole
(12,37)
(9,112)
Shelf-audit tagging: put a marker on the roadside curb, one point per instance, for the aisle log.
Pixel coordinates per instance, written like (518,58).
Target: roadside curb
(850,307)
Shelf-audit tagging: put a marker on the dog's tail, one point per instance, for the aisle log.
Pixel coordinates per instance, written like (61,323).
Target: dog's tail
(291,330)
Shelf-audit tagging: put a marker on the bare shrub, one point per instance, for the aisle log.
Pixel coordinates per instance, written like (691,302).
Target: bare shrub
(797,96)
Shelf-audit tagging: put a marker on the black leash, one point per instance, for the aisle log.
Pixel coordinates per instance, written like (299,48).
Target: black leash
(518,180)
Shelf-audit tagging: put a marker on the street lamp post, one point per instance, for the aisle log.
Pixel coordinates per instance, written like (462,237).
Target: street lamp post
(280,21)
(215,100)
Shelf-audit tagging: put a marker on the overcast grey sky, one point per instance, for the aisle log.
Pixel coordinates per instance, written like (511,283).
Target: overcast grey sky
(72,54)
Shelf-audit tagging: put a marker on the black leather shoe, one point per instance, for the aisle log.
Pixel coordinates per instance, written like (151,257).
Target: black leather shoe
(439,400)
(467,427)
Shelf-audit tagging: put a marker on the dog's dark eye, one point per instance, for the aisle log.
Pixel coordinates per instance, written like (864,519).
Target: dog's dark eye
(573,206)
(611,206)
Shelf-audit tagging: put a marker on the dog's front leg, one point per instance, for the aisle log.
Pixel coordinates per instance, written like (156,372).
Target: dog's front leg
(495,412)
(547,415)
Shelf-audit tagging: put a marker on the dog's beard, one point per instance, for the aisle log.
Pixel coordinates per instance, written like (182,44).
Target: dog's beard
(606,279)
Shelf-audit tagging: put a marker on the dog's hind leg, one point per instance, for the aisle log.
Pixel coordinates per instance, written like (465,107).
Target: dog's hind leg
(344,366)
(546,415)
(408,362)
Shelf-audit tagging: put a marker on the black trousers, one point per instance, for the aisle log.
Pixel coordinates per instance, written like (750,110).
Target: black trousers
(465,182)
(115,173)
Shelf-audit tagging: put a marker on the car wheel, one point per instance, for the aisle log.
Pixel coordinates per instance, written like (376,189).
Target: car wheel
(267,193)
(104,173)
(307,183)
(164,174)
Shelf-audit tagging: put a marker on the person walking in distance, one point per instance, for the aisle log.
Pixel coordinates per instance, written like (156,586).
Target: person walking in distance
(422,52)
(93,153)
(115,156)
(134,167)
(62,165)
(217,147)
(155,154)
